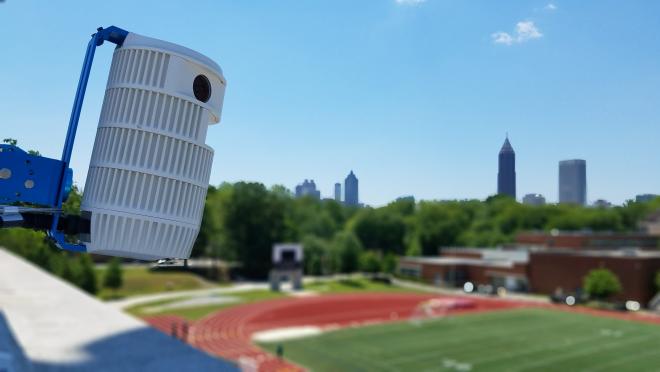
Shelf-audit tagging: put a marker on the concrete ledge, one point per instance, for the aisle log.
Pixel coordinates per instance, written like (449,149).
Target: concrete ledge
(61,328)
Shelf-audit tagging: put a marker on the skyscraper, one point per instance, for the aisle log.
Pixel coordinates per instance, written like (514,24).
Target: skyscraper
(351,190)
(338,192)
(506,175)
(308,188)
(534,199)
(573,181)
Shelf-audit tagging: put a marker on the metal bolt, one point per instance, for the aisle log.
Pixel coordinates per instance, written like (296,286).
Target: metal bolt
(29,184)
(5,174)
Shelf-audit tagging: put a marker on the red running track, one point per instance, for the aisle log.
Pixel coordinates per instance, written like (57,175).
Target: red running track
(228,333)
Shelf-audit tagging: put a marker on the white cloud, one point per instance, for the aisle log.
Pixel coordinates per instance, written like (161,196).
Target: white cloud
(525,30)
(502,38)
(410,2)
(550,7)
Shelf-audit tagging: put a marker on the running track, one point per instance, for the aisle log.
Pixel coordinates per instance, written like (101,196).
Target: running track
(228,333)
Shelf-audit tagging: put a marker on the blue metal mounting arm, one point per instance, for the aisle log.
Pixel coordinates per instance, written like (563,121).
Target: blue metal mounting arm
(114,35)
(37,180)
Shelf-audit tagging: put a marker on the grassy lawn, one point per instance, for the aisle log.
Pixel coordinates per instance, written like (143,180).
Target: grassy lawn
(197,312)
(352,285)
(517,340)
(140,280)
(328,287)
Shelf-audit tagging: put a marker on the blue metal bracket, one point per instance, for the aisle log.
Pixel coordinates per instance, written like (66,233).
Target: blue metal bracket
(114,35)
(51,179)
(28,178)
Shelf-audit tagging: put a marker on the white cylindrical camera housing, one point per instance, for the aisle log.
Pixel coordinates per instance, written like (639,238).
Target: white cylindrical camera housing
(150,165)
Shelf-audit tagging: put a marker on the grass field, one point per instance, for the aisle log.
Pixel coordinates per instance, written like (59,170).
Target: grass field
(352,285)
(197,312)
(516,340)
(141,280)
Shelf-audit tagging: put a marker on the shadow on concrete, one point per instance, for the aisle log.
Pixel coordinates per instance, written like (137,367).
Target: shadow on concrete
(12,357)
(143,350)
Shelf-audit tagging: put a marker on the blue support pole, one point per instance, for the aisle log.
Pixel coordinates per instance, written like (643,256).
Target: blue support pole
(78,101)
(114,35)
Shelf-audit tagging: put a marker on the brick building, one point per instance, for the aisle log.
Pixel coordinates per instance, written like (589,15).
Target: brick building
(537,270)
(502,268)
(566,269)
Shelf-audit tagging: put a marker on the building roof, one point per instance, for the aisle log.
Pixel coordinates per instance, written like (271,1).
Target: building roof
(454,261)
(588,234)
(609,253)
(573,162)
(506,147)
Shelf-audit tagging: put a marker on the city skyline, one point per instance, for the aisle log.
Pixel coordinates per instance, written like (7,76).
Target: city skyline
(428,131)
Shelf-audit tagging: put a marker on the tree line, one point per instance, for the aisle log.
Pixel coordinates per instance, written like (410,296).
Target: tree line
(243,220)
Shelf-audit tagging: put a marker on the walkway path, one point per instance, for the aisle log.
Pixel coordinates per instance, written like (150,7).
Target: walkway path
(205,292)
(144,299)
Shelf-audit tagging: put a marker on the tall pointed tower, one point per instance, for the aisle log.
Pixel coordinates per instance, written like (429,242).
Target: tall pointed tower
(351,190)
(506,176)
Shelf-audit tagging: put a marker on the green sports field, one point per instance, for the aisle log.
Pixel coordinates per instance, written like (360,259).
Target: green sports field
(515,340)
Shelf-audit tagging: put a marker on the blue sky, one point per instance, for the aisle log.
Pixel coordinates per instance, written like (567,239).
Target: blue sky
(414,96)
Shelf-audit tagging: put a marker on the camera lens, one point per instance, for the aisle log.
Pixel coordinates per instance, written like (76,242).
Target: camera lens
(202,88)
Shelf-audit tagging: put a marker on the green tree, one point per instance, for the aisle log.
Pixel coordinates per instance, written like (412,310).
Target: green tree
(72,203)
(346,250)
(601,284)
(380,229)
(370,262)
(210,228)
(113,275)
(253,220)
(308,216)
(439,224)
(70,268)
(86,278)
(389,263)
(316,256)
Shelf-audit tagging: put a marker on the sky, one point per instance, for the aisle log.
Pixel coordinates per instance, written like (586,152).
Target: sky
(414,96)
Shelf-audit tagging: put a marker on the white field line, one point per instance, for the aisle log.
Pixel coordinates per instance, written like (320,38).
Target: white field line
(285,334)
